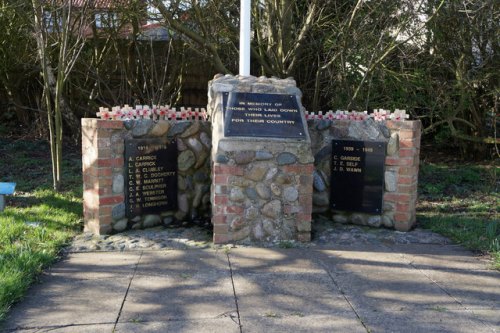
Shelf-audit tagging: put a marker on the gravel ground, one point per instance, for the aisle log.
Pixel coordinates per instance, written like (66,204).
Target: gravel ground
(325,232)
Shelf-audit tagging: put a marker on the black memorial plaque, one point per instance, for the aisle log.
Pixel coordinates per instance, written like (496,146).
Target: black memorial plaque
(151,176)
(262,115)
(357,181)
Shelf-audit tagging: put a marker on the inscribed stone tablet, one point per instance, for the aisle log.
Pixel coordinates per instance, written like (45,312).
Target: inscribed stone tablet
(151,176)
(262,115)
(357,182)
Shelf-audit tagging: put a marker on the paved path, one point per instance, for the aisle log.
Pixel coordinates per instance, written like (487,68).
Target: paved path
(325,288)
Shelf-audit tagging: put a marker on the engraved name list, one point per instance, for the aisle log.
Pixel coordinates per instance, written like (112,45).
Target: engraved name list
(151,176)
(357,175)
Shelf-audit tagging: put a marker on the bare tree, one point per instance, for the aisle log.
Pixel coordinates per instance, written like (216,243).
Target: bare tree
(57,24)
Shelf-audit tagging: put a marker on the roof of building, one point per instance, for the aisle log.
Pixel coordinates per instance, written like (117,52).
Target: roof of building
(100,4)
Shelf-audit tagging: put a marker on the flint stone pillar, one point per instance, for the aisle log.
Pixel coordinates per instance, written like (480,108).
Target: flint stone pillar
(261,186)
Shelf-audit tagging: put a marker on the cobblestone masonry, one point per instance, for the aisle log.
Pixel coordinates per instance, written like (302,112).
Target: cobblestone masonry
(325,232)
(261,187)
(104,172)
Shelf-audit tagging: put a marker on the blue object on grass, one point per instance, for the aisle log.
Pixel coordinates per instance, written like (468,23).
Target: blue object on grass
(7,188)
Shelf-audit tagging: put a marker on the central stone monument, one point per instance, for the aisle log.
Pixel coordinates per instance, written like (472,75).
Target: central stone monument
(262,171)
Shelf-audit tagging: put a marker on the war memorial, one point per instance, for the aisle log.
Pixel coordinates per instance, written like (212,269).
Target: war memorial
(255,163)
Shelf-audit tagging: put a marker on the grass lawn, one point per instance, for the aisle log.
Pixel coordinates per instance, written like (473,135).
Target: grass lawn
(37,222)
(462,202)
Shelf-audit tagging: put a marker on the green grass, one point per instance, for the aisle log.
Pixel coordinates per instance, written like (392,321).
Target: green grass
(462,202)
(37,222)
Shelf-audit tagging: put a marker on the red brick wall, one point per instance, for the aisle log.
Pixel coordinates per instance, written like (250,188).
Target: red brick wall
(102,158)
(406,164)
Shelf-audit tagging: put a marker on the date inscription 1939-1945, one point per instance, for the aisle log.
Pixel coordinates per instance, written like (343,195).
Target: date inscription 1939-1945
(151,176)
(357,181)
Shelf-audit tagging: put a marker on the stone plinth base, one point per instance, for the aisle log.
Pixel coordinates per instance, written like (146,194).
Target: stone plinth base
(262,191)
(261,187)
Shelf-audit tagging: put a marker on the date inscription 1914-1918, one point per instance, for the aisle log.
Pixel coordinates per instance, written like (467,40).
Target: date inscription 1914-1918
(357,181)
(262,115)
(151,176)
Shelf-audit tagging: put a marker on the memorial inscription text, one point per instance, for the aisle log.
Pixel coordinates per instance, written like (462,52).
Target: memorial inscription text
(151,176)
(262,115)
(357,180)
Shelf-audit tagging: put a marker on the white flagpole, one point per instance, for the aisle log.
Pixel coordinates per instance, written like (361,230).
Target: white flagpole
(245,19)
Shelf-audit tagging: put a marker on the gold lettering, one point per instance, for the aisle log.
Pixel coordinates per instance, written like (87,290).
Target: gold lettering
(287,122)
(153,187)
(144,164)
(350,158)
(259,103)
(235,108)
(146,158)
(153,181)
(255,115)
(155,198)
(155,203)
(153,169)
(163,174)
(153,193)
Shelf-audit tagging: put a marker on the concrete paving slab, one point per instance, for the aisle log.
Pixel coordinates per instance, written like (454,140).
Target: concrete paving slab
(335,322)
(60,301)
(358,258)
(167,298)
(440,320)
(393,290)
(96,265)
(473,289)
(93,328)
(426,256)
(286,294)
(262,260)
(182,262)
(489,317)
(383,280)
(218,325)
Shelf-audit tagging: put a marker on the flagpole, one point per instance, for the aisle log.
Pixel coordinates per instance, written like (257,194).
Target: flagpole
(245,19)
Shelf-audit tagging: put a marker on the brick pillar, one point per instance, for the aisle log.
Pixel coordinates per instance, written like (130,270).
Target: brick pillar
(102,159)
(406,164)
(223,212)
